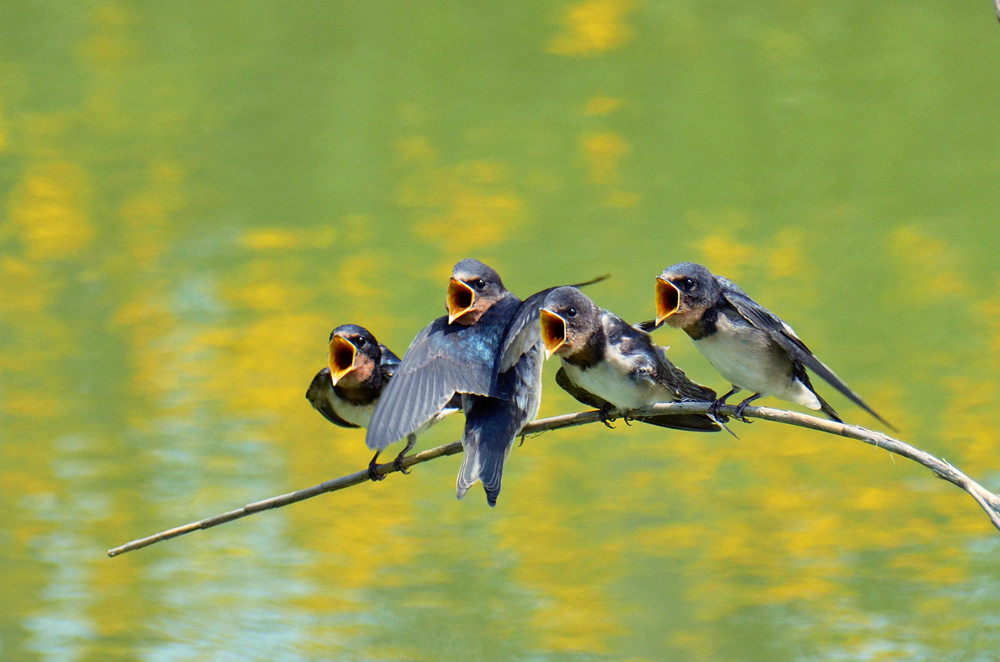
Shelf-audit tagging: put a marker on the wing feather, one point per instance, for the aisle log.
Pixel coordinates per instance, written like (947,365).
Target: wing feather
(785,337)
(440,362)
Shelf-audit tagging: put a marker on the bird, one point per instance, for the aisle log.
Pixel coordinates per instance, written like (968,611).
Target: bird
(348,389)
(487,349)
(609,364)
(748,344)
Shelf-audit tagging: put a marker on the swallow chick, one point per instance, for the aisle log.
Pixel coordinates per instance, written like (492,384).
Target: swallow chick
(488,351)
(609,364)
(748,344)
(457,354)
(347,391)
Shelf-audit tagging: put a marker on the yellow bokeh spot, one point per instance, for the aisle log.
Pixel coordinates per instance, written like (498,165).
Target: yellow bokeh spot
(604,153)
(929,267)
(356,277)
(465,207)
(622,199)
(729,253)
(22,290)
(48,212)
(592,27)
(415,149)
(602,105)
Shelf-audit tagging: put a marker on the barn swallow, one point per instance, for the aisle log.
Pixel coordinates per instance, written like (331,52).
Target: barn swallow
(609,364)
(348,389)
(748,344)
(485,349)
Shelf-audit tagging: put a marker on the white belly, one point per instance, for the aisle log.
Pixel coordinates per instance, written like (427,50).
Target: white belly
(360,415)
(610,381)
(749,359)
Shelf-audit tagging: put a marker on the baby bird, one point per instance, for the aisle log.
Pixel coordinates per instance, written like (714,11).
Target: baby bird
(609,364)
(747,343)
(347,390)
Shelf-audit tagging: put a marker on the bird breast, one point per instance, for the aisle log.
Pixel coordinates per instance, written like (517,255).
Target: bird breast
(747,357)
(357,414)
(610,380)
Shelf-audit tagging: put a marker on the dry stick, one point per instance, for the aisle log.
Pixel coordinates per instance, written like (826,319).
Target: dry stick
(989,501)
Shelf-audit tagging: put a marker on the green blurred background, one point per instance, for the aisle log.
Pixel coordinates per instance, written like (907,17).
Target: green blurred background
(193,194)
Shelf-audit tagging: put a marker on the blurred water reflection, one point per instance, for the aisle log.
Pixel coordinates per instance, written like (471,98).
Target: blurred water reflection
(193,196)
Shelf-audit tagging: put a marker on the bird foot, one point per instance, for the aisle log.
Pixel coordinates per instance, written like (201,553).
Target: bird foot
(373,471)
(740,408)
(398,463)
(607,416)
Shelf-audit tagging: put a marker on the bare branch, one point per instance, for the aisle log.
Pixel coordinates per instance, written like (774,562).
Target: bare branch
(989,501)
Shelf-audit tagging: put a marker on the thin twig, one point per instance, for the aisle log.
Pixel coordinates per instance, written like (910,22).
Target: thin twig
(989,501)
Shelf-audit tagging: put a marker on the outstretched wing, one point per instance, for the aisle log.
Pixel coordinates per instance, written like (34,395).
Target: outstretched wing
(441,361)
(783,334)
(320,394)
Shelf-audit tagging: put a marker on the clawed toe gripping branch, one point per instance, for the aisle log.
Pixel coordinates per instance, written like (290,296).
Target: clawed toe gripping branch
(987,500)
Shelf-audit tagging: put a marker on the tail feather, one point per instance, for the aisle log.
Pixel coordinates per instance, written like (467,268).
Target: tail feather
(828,410)
(690,422)
(490,430)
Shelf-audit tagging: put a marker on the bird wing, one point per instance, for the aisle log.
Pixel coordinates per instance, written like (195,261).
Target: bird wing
(523,331)
(783,334)
(441,361)
(320,394)
(650,360)
(389,362)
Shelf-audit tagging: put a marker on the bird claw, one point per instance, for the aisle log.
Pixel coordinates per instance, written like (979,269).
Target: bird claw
(738,415)
(373,469)
(606,416)
(740,408)
(398,464)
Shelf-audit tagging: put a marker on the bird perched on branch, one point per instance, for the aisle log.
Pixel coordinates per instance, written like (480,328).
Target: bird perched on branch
(488,349)
(609,364)
(748,344)
(348,389)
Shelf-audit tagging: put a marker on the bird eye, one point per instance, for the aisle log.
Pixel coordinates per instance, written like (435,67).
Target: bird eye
(479,284)
(687,283)
(571,312)
(361,341)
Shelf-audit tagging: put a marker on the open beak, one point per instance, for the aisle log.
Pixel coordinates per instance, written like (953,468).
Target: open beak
(342,355)
(461,297)
(668,300)
(553,331)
